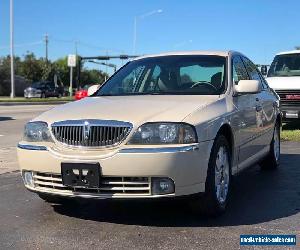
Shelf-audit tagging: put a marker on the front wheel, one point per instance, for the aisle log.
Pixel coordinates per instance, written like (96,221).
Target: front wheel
(218,180)
(273,158)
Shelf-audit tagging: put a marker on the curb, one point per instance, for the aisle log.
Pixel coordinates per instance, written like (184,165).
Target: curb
(32,103)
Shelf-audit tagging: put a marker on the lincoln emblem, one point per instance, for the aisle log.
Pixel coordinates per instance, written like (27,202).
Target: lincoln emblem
(86,130)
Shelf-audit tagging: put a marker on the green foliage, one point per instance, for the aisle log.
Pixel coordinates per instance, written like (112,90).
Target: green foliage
(36,69)
(31,68)
(92,76)
(61,69)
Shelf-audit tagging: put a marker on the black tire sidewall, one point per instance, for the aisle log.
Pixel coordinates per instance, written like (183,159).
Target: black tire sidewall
(210,192)
(272,145)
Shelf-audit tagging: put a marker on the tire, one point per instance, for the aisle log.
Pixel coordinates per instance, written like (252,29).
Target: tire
(213,202)
(272,160)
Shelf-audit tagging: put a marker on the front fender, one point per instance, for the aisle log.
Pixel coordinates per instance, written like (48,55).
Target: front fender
(209,119)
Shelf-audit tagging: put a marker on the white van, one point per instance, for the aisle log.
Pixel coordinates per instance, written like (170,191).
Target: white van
(284,77)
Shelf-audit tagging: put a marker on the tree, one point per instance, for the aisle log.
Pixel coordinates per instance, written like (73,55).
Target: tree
(37,69)
(60,68)
(4,75)
(87,76)
(5,84)
(31,68)
(92,76)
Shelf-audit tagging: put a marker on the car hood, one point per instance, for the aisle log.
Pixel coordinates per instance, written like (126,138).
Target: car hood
(284,82)
(134,109)
(31,88)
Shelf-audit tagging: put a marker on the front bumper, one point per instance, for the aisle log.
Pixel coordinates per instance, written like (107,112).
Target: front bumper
(126,173)
(32,95)
(290,111)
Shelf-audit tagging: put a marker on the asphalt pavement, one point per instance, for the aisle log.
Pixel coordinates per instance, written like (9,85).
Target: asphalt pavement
(12,121)
(263,202)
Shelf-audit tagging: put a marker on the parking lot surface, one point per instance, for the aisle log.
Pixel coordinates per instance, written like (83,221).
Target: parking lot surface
(263,202)
(12,121)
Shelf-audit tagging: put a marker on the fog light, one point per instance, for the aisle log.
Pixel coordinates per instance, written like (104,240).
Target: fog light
(28,178)
(162,186)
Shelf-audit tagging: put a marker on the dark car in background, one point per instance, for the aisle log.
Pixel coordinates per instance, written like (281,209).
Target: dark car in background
(43,89)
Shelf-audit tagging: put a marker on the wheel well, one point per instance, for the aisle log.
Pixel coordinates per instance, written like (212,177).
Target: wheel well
(227,132)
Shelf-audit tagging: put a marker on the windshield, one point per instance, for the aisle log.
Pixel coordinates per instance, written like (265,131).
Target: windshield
(285,65)
(37,84)
(86,87)
(195,75)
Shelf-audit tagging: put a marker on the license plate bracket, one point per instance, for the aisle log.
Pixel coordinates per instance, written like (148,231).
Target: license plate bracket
(81,175)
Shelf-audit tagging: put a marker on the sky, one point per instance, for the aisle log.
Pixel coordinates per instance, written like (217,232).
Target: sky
(257,28)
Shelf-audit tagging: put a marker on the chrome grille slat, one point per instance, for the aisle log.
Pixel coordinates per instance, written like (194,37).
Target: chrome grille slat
(100,133)
(109,185)
(284,101)
(105,135)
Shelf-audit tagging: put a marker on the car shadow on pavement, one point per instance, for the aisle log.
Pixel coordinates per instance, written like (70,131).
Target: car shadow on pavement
(258,196)
(6,118)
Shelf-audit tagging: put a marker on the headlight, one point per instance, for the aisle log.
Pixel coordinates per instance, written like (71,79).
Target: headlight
(37,132)
(164,133)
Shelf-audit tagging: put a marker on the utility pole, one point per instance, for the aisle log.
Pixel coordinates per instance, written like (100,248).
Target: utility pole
(77,64)
(76,47)
(46,44)
(12,70)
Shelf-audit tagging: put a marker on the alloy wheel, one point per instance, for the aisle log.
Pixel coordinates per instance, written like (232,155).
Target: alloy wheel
(222,175)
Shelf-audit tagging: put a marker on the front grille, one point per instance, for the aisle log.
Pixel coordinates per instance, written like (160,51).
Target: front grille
(91,133)
(289,97)
(109,186)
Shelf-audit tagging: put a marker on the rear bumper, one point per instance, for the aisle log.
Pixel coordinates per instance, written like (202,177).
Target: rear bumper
(186,166)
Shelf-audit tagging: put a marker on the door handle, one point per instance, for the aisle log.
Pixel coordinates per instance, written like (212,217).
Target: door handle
(258,108)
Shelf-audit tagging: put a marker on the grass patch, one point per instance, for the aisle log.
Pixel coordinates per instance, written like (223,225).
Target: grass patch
(22,99)
(290,135)
(291,131)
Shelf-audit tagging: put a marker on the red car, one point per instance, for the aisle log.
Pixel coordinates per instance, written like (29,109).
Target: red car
(82,93)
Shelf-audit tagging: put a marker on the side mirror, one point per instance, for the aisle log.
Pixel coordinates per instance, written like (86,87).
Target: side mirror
(247,87)
(264,70)
(93,89)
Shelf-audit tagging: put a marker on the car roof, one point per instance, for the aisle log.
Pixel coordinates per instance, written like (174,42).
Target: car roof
(184,53)
(289,52)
